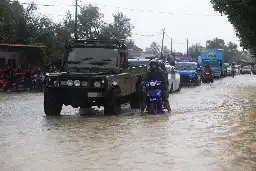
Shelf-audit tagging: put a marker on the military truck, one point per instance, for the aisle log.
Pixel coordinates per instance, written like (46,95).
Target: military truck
(93,73)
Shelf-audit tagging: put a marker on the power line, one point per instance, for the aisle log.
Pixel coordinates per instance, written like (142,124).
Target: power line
(173,39)
(130,9)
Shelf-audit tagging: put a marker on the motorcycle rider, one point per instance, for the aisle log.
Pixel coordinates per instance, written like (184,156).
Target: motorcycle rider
(156,73)
(207,68)
(233,69)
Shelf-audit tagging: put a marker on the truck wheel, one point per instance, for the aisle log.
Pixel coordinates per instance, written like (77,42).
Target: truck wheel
(136,98)
(171,89)
(52,105)
(179,87)
(114,103)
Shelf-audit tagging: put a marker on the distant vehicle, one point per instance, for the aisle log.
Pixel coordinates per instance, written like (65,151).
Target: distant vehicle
(254,70)
(190,73)
(229,71)
(214,58)
(226,65)
(139,67)
(138,62)
(173,78)
(246,70)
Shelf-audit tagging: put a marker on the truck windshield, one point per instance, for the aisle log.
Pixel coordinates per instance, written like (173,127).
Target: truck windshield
(186,66)
(211,63)
(92,57)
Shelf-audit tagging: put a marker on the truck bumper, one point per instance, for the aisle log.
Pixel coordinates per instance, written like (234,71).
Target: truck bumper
(79,97)
(216,73)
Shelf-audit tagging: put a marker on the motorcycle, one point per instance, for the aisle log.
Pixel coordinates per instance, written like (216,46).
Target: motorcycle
(208,77)
(37,82)
(154,104)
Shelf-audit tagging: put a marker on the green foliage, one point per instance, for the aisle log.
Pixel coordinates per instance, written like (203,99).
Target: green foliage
(242,15)
(24,26)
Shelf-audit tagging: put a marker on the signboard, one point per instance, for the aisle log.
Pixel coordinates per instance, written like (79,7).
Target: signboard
(211,54)
(204,50)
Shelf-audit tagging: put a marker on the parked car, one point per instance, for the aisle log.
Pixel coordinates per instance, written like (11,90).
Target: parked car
(246,70)
(254,70)
(173,78)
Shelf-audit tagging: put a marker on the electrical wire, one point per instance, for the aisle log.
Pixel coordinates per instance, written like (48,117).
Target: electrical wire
(122,8)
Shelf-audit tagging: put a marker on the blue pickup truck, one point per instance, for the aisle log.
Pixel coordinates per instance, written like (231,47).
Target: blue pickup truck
(190,72)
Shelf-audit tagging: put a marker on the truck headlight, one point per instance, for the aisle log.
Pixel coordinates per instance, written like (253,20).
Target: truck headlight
(97,84)
(77,83)
(84,83)
(69,82)
(55,83)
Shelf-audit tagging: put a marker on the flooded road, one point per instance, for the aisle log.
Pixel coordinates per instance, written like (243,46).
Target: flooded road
(210,128)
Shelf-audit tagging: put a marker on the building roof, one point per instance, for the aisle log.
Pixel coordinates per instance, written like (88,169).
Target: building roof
(18,45)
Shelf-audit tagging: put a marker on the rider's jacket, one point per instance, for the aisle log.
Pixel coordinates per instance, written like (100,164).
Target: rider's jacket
(157,75)
(208,70)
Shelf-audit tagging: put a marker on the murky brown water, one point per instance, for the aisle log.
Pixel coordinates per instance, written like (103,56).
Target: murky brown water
(211,128)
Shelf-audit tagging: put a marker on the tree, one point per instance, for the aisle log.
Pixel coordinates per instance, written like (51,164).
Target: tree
(121,28)
(90,22)
(154,48)
(216,43)
(26,26)
(242,15)
(194,50)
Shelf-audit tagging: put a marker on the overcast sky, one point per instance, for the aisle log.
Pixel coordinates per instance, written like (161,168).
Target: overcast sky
(173,15)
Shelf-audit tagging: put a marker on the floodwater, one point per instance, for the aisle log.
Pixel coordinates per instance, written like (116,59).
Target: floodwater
(210,128)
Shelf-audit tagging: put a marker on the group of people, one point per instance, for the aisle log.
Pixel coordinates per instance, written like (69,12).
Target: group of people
(12,77)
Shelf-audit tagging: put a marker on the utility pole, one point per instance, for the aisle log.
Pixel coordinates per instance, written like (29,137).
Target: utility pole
(76,37)
(162,48)
(171,45)
(187,47)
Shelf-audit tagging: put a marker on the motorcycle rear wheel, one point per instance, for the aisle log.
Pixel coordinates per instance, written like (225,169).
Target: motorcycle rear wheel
(152,106)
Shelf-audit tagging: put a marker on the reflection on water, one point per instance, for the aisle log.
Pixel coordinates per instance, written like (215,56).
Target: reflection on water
(211,128)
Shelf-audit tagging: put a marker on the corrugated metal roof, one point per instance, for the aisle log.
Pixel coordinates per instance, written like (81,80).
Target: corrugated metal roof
(18,45)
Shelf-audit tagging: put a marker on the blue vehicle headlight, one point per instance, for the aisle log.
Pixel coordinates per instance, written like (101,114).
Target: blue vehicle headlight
(192,75)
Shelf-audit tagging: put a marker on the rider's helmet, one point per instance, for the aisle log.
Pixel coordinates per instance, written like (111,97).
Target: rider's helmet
(153,64)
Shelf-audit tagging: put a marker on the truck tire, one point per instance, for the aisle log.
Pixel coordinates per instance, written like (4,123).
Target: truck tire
(135,101)
(114,103)
(52,104)
(171,89)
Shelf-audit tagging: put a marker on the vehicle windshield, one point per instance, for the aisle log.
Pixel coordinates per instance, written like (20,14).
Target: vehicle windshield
(211,63)
(92,58)
(246,67)
(186,66)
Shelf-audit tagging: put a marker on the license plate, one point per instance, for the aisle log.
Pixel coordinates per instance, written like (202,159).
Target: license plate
(94,94)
